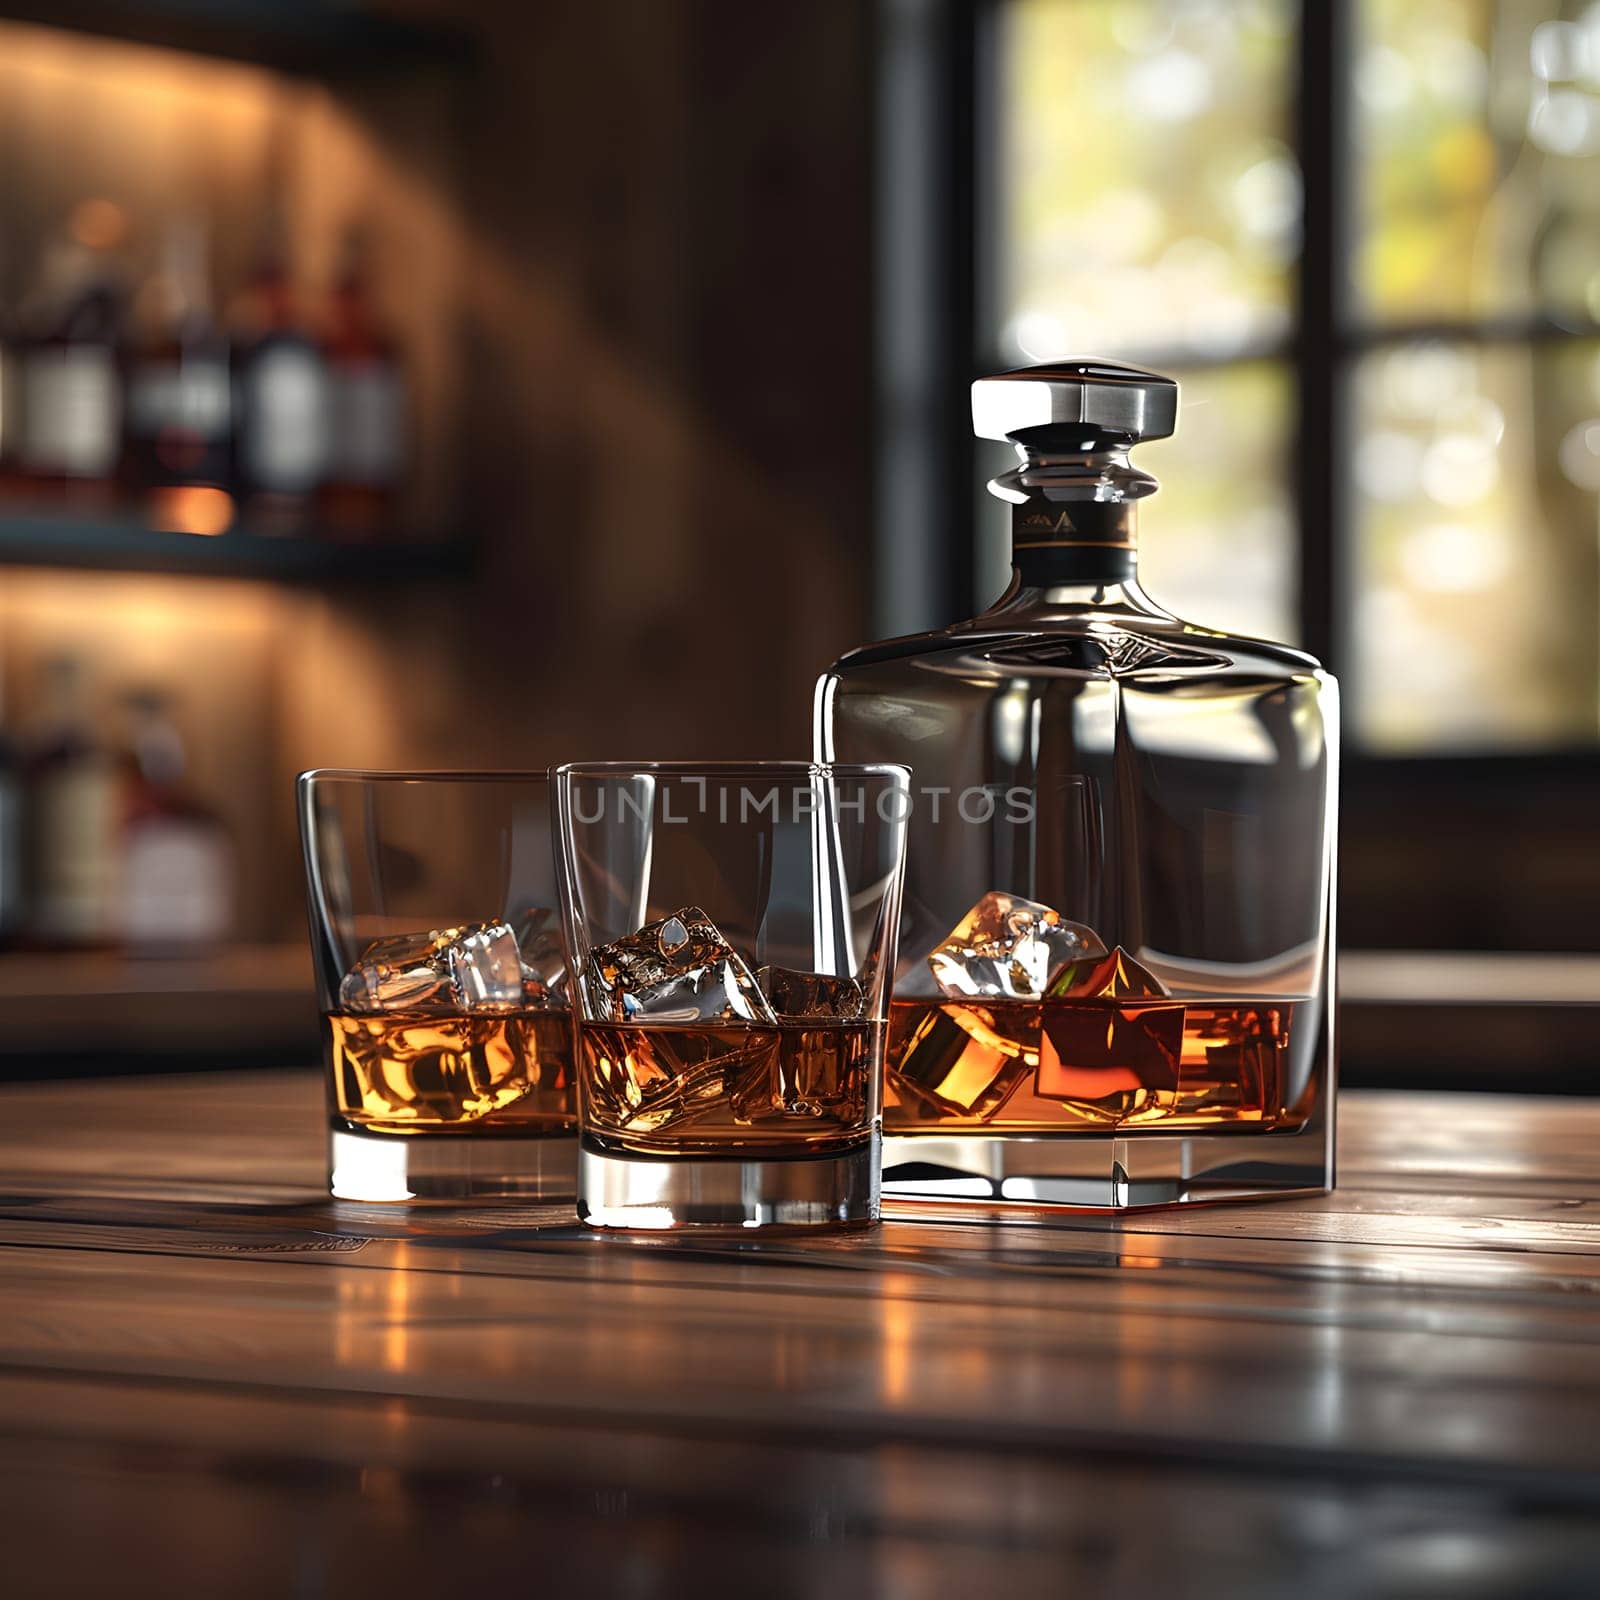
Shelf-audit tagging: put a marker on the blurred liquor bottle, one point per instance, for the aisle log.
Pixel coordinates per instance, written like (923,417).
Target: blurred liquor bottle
(13,893)
(73,815)
(180,398)
(177,868)
(10,377)
(281,398)
(71,391)
(368,402)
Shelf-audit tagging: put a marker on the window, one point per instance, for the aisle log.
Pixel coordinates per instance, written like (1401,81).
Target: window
(1366,238)
(1475,273)
(1149,204)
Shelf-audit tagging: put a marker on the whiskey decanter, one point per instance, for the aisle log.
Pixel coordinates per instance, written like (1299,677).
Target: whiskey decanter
(1115,976)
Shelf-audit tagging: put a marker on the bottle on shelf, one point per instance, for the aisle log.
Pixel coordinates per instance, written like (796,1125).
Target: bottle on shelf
(177,857)
(1115,979)
(10,372)
(70,438)
(366,378)
(281,399)
(73,815)
(13,890)
(180,400)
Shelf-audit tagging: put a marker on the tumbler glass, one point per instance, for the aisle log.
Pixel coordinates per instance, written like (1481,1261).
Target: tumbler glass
(733,938)
(442,978)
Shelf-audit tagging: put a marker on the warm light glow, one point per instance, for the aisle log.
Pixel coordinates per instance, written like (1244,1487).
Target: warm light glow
(99,224)
(110,141)
(395,1347)
(47,59)
(897,1367)
(192,509)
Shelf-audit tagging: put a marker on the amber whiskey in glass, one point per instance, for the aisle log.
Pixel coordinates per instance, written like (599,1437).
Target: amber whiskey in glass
(799,1087)
(487,1073)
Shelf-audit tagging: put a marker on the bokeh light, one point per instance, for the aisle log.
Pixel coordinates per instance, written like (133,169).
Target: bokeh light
(1478,129)
(1152,200)
(1477,558)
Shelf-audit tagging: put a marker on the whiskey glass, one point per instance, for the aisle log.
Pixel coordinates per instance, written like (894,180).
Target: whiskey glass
(442,980)
(733,933)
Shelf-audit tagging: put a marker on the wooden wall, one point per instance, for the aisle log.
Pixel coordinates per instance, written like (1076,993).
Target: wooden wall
(667,293)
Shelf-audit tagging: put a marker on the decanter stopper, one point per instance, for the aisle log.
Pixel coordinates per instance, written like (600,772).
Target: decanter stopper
(1085,397)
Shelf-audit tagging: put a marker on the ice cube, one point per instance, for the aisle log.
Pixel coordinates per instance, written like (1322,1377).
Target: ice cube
(812,1072)
(1111,1060)
(800,996)
(679,969)
(1116,976)
(476,968)
(654,1080)
(438,1071)
(965,1061)
(544,956)
(1008,947)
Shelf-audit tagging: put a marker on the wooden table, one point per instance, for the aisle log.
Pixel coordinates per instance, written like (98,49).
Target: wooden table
(215,1381)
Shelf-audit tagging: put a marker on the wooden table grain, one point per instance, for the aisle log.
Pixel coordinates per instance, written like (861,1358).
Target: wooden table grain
(216,1381)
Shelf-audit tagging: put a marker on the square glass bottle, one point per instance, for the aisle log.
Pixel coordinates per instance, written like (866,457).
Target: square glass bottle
(1115,976)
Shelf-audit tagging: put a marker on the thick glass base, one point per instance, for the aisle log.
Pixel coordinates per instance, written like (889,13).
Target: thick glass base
(664,1192)
(1101,1172)
(429,1166)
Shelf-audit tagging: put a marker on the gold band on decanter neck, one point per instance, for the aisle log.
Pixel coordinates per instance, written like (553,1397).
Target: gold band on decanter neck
(1072,544)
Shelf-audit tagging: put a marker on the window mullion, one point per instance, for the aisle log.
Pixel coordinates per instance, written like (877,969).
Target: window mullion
(1320,476)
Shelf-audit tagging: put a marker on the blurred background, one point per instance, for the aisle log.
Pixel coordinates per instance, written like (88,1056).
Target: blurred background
(487,384)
